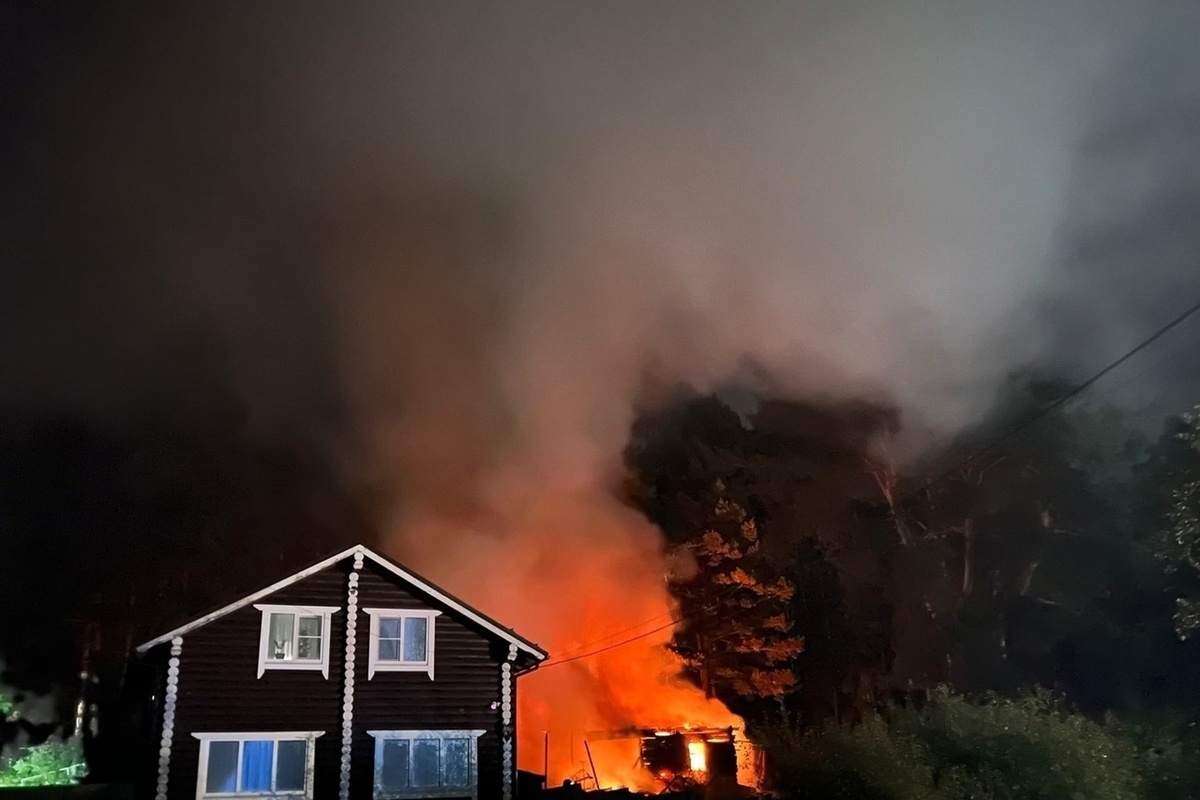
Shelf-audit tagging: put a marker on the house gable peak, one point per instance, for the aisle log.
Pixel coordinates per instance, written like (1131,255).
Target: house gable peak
(387,564)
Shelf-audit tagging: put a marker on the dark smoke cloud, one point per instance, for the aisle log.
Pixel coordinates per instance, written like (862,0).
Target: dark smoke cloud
(1128,245)
(145,211)
(447,241)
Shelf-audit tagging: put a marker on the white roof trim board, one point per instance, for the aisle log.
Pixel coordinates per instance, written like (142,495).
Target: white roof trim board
(399,572)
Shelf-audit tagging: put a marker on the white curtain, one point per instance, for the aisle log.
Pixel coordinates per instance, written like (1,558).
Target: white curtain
(281,632)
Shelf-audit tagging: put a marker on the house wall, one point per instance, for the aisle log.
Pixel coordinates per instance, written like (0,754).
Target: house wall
(466,683)
(219,688)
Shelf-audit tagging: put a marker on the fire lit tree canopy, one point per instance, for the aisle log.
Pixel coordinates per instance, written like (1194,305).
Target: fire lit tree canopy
(765,509)
(736,629)
(1033,565)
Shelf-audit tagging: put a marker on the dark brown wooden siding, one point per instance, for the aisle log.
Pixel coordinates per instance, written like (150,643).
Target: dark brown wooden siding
(466,683)
(219,687)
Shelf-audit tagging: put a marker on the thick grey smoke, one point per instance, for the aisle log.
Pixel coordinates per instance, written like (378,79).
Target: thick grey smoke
(1128,249)
(859,199)
(471,230)
(849,193)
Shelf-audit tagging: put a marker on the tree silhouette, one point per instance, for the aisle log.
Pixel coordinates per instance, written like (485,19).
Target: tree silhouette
(737,634)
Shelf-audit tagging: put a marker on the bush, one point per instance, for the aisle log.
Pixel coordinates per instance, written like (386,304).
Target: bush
(956,749)
(1170,755)
(52,763)
(871,761)
(1027,747)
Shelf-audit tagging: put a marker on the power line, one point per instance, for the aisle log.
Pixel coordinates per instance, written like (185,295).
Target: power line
(613,646)
(1171,356)
(733,614)
(716,598)
(1067,397)
(1044,412)
(617,633)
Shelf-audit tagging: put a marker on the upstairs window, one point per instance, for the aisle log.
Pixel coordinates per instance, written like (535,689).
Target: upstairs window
(410,764)
(294,637)
(256,764)
(401,640)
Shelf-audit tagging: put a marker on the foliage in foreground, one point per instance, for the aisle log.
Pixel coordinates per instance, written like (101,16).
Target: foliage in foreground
(52,763)
(55,762)
(956,749)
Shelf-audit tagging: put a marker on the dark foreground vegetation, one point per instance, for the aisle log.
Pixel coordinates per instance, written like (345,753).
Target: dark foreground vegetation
(952,748)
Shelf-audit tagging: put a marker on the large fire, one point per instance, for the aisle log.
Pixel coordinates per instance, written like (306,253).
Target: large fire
(578,575)
(502,417)
(590,699)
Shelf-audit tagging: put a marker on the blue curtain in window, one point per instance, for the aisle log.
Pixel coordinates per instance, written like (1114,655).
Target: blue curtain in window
(256,766)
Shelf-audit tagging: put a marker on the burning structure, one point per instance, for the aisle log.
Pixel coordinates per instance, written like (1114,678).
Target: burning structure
(693,754)
(597,600)
(655,760)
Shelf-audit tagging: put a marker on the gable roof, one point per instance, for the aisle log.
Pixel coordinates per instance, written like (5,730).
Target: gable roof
(388,564)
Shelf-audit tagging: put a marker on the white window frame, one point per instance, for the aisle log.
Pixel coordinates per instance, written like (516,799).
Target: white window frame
(472,737)
(322,664)
(376,664)
(309,737)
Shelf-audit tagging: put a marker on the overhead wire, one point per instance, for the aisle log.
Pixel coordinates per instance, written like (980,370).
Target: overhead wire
(733,614)
(718,596)
(1067,396)
(1170,356)
(1016,430)
(556,662)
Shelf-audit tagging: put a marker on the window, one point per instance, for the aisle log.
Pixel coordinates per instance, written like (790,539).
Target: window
(294,637)
(425,764)
(249,764)
(401,640)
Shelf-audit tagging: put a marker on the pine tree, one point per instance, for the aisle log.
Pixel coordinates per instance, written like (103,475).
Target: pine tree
(738,635)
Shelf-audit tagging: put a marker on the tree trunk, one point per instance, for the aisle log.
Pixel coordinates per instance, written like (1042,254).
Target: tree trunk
(1027,578)
(885,478)
(705,682)
(968,570)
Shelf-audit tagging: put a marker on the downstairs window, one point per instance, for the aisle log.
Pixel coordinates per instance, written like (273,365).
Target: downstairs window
(256,764)
(410,764)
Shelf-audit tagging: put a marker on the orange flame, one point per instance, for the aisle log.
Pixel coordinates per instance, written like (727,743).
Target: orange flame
(697,756)
(577,576)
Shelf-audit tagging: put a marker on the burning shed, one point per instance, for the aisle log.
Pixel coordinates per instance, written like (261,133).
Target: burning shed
(701,753)
(671,758)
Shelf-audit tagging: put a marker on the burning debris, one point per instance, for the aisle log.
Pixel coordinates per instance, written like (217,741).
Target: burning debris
(656,760)
(696,755)
(699,755)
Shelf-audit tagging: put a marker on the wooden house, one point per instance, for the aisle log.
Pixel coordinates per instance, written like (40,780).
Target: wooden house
(353,679)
